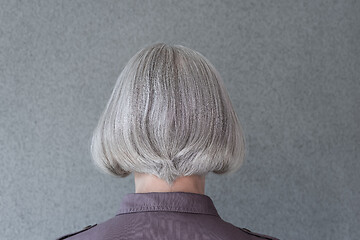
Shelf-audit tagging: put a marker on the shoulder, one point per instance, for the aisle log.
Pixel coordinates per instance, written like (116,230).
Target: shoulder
(261,236)
(72,234)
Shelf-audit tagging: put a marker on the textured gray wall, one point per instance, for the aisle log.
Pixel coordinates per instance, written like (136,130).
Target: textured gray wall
(292,71)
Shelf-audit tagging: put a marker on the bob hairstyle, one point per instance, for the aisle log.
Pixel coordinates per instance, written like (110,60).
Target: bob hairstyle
(169,115)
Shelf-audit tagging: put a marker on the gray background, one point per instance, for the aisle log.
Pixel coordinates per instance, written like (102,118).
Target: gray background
(292,71)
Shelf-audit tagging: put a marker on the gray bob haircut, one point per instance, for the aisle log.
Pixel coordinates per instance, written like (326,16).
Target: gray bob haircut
(169,115)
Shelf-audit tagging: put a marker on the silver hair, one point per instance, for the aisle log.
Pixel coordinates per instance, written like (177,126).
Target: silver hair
(169,115)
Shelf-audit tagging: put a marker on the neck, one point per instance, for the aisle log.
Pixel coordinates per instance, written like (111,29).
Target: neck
(150,183)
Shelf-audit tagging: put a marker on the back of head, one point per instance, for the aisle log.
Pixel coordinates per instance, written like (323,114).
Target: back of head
(169,115)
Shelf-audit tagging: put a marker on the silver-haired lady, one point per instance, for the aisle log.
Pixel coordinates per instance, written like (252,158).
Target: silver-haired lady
(170,121)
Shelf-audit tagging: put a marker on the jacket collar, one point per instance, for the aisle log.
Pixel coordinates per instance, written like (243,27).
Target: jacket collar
(168,201)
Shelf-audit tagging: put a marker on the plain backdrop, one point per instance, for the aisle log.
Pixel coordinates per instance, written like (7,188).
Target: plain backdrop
(292,69)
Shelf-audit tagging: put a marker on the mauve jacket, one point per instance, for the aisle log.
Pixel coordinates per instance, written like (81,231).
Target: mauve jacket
(165,215)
